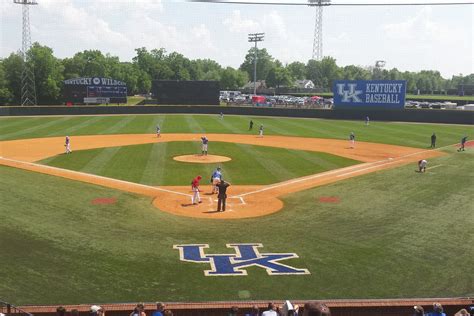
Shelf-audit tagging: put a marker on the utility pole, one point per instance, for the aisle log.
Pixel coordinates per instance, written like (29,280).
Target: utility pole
(254,38)
(28,89)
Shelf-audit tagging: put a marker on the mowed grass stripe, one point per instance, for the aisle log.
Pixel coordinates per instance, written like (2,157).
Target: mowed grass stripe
(72,126)
(256,166)
(119,124)
(128,163)
(41,128)
(8,125)
(155,167)
(98,163)
(193,124)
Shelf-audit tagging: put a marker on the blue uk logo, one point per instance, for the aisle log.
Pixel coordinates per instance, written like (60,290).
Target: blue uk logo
(245,256)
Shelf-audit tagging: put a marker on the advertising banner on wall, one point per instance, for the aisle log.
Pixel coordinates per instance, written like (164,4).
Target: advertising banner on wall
(94,90)
(369,94)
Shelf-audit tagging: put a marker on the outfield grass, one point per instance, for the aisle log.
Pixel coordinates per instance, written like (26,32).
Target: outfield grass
(153,164)
(395,233)
(406,134)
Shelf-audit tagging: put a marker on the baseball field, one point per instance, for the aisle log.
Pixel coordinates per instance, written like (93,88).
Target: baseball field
(308,217)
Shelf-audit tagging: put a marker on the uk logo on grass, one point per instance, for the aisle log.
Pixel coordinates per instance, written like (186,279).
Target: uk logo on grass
(245,256)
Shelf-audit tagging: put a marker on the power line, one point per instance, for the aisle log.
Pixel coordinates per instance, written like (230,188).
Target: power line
(336,4)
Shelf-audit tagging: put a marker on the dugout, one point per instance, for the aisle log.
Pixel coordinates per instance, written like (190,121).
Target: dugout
(175,92)
(94,90)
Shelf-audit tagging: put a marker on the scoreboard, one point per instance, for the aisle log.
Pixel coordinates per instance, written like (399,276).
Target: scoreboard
(94,90)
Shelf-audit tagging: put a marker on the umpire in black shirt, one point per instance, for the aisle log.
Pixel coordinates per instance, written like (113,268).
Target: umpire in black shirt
(222,196)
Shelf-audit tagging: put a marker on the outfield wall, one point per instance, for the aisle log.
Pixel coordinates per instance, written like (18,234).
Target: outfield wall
(407,115)
(399,307)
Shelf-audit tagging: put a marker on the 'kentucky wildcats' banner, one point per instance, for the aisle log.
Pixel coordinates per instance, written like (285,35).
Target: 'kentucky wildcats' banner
(385,94)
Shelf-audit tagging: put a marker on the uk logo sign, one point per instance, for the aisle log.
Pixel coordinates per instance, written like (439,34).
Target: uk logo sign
(244,256)
(352,94)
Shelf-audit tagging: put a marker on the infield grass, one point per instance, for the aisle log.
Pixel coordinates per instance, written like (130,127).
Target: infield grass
(153,164)
(395,233)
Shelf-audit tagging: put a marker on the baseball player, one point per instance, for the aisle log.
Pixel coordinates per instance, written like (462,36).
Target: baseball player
(204,142)
(195,188)
(67,144)
(222,196)
(260,131)
(158,130)
(250,125)
(433,141)
(367,121)
(221,116)
(463,143)
(352,139)
(422,165)
(216,177)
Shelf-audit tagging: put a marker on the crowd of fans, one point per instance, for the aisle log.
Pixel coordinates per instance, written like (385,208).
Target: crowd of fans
(286,309)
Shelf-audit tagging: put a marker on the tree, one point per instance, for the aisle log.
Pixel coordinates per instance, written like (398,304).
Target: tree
(297,70)
(352,72)
(265,62)
(232,79)
(6,96)
(278,76)
(13,66)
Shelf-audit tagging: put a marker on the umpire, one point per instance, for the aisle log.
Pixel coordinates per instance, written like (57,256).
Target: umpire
(222,196)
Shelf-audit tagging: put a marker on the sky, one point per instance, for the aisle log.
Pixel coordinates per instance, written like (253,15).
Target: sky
(409,38)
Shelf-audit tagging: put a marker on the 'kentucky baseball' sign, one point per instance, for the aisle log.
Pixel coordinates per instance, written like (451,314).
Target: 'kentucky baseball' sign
(379,94)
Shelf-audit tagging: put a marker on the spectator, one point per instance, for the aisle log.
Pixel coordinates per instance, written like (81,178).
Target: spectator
(168,313)
(419,311)
(288,309)
(271,310)
(60,311)
(96,310)
(74,312)
(141,308)
(160,307)
(437,310)
(233,311)
(136,312)
(462,312)
(316,309)
(255,311)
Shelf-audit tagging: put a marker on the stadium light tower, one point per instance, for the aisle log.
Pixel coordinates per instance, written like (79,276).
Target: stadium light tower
(28,89)
(254,38)
(318,27)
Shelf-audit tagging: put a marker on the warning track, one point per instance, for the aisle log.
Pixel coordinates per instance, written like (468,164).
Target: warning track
(244,201)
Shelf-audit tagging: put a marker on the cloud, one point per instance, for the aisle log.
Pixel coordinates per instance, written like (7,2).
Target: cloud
(237,24)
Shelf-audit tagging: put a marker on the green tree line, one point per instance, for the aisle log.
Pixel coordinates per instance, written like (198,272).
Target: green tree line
(157,64)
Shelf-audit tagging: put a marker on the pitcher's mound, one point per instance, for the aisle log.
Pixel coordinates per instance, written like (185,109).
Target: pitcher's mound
(202,158)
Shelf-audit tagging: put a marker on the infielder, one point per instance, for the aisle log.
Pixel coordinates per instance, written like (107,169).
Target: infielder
(463,143)
(260,131)
(216,177)
(422,165)
(204,142)
(158,130)
(352,139)
(67,144)
(195,188)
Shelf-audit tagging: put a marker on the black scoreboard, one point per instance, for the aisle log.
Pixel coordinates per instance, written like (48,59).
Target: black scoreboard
(186,92)
(94,91)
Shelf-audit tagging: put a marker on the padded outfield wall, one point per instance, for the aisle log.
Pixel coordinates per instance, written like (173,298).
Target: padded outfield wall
(407,115)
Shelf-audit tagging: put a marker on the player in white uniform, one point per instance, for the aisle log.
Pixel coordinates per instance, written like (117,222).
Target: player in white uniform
(67,144)
(352,139)
(260,131)
(422,165)
(158,130)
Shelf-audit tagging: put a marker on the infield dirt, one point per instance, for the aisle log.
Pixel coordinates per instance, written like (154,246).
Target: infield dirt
(243,201)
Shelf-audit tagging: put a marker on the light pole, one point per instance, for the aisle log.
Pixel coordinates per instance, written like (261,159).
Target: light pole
(254,38)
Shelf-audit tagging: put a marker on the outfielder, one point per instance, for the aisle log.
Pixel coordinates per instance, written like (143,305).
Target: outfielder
(67,144)
(195,188)
(204,142)
(216,177)
(463,143)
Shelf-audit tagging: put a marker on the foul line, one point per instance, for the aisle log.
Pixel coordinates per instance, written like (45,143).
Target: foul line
(378,163)
(429,168)
(66,171)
